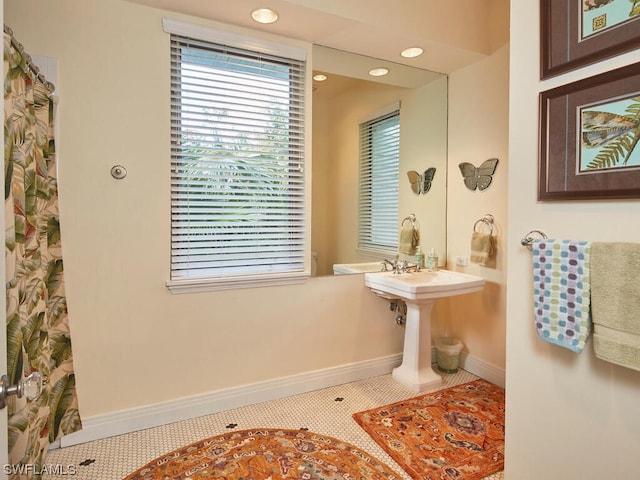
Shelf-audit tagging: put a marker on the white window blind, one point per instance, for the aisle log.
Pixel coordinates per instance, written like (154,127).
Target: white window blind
(379,171)
(237,159)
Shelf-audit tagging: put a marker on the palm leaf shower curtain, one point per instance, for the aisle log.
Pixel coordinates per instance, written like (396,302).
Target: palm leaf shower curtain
(37,324)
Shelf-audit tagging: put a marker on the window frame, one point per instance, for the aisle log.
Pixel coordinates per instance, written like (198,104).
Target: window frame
(294,50)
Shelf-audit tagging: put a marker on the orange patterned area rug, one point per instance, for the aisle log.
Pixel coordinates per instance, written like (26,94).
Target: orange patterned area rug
(262,454)
(456,433)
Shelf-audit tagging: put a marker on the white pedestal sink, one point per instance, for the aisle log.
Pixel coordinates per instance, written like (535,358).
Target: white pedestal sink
(420,290)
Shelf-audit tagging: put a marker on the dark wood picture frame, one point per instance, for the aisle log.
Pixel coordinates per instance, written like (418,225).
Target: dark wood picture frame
(572,122)
(561,47)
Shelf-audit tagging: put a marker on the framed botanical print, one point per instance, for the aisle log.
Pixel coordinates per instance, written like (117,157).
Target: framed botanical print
(574,33)
(589,133)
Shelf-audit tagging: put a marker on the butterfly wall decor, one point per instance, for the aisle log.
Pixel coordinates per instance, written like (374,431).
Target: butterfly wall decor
(478,177)
(421,183)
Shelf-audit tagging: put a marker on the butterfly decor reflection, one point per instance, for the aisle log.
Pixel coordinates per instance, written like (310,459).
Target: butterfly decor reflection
(478,177)
(421,183)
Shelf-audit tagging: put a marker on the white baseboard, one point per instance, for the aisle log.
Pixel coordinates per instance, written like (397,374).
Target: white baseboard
(478,367)
(482,369)
(127,421)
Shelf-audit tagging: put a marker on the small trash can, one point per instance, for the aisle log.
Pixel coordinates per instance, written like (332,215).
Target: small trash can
(447,354)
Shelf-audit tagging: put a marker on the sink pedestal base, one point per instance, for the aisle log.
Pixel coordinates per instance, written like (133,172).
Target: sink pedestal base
(420,290)
(415,371)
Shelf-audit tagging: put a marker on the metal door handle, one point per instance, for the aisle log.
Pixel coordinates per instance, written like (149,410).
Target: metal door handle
(30,387)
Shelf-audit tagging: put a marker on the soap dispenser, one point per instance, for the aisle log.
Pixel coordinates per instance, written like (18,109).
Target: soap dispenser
(419,257)
(432,260)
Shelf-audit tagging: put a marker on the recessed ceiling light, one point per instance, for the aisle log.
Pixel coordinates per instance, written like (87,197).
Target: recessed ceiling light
(412,52)
(264,15)
(378,72)
(320,77)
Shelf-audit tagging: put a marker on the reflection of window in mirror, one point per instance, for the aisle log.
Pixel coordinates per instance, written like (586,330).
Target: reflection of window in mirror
(379,173)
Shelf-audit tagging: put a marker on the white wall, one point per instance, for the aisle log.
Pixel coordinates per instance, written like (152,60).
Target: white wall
(568,415)
(478,130)
(423,124)
(135,344)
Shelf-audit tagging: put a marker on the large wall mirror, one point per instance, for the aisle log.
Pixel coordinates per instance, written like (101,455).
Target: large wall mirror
(340,103)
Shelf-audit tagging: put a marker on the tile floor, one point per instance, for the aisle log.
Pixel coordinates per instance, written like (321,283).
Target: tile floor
(327,411)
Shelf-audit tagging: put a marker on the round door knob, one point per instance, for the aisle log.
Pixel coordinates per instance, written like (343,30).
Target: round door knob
(30,387)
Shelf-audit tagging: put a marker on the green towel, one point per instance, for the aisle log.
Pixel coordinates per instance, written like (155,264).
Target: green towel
(409,240)
(483,247)
(615,302)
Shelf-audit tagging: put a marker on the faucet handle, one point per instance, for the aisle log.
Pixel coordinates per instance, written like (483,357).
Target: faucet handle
(386,262)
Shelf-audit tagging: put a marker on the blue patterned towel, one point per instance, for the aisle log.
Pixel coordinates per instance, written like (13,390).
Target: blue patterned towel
(561,286)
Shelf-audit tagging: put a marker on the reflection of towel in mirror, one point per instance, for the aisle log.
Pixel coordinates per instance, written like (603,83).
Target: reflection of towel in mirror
(409,240)
(615,302)
(482,247)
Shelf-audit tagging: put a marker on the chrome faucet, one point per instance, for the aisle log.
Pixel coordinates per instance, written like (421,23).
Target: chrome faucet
(412,267)
(389,263)
(399,266)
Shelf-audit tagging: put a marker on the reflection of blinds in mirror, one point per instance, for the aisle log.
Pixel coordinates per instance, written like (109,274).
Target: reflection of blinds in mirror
(379,173)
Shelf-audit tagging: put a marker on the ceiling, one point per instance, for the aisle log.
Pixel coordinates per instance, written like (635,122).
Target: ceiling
(452,33)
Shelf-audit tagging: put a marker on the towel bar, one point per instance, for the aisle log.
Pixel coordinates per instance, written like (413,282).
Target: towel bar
(487,220)
(411,218)
(530,237)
